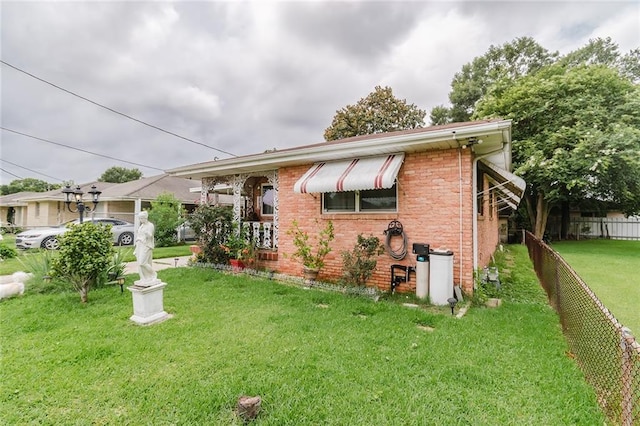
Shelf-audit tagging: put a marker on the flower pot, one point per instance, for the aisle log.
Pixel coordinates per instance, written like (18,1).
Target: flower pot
(195,249)
(237,264)
(310,274)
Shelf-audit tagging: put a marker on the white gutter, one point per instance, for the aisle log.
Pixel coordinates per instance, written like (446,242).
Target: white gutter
(340,149)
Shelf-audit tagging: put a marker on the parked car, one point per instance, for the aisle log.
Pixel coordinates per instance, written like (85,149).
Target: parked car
(185,233)
(47,237)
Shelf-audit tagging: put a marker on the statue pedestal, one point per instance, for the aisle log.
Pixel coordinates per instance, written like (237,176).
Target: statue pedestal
(148,302)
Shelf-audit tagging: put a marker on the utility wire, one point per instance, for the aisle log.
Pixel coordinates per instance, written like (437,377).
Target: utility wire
(31,170)
(9,173)
(114,111)
(78,149)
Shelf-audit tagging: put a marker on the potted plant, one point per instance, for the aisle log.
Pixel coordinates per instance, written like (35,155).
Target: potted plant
(312,258)
(239,248)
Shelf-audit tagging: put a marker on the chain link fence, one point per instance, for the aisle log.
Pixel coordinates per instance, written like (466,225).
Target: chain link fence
(606,352)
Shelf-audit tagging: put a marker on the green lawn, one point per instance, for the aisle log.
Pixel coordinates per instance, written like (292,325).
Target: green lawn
(9,266)
(315,358)
(610,268)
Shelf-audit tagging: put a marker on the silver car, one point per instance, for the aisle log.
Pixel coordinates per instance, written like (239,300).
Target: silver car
(46,238)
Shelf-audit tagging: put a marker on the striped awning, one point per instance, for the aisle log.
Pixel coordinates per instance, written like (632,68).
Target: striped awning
(510,187)
(351,175)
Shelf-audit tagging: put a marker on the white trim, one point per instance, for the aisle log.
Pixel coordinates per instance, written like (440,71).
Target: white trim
(492,133)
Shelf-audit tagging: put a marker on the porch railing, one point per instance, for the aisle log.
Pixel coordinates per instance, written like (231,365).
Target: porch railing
(261,233)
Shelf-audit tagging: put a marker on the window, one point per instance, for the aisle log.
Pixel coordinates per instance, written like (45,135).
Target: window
(366,201)
(37,209)
(267,200)
(480,192)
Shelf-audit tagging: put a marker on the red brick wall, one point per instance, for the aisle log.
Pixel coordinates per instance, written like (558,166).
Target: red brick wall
(428,207)
(488,227)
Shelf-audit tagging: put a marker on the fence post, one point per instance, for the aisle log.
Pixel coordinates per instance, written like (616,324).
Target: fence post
(556,283)
(626,340)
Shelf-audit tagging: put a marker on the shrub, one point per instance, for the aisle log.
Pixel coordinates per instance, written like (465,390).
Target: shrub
(84,256)
(166,214)
(312,259)
(212,226)
(360,262)
(7,252)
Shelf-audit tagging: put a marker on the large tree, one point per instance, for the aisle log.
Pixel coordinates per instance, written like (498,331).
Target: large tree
(120,175)
(28,184)
(576,136)
(520,57)
(502,65)
(379,112)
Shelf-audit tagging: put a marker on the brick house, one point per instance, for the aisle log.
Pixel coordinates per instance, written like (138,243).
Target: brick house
(444,184)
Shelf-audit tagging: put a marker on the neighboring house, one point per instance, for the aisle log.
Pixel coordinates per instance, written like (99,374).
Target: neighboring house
(444,184)
(13,211)
(117,200)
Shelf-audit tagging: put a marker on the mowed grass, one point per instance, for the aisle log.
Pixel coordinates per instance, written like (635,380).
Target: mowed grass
(314,357)
(611,269)
(9,266)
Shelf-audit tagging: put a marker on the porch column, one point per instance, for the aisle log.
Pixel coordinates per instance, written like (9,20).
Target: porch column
(137,208)
(238,184)
(274,180)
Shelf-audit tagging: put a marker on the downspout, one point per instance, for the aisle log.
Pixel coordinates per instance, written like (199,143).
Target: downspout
(474,225)
(460,213)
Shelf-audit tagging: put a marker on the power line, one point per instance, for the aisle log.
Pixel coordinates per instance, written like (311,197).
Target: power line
(9,173)
(114,111)
(79,149)
(31,170)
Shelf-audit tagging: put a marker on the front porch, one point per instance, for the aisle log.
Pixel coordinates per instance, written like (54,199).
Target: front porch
(255,207)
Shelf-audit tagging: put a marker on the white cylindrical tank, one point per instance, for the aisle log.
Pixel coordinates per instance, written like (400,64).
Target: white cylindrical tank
(440,276)
(422,279)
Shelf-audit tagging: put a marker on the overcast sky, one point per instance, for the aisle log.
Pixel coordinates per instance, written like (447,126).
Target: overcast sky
(242,77)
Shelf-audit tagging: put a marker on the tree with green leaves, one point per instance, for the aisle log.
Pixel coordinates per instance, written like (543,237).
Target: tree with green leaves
(212,226)
(28,184)
(167,214)
(120,175)
(503,65)
(379,112)
(520,57)
(576,136)
(85,253)
(440,114)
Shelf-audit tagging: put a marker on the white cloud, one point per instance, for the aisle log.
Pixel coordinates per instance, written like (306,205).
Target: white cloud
(244,76)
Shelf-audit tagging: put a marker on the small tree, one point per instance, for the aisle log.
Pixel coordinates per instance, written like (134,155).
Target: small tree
(310,257)
(167,214)
(360,262)
(85,252)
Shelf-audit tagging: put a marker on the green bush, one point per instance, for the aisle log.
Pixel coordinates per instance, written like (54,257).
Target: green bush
(166,214)
(84,256)
(7,252)
(360,262)
(310,257)
(212,226)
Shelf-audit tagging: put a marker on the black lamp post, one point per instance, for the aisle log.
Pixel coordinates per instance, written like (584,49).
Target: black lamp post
(76,196)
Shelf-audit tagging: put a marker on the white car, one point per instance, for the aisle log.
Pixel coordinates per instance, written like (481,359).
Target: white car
(46,238)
